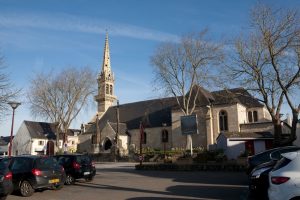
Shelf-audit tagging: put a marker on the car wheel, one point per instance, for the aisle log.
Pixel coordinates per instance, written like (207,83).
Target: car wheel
(3,197)
(57,187)
(89,179)
(70,180)
(26,189)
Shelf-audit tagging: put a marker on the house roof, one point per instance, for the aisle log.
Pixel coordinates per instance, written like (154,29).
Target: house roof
(45,130)
(122,127)
(248,135)
(4,140)
(153,113)
(236,95)
(41,130)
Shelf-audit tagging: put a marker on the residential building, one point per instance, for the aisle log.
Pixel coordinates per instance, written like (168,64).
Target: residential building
(39,138)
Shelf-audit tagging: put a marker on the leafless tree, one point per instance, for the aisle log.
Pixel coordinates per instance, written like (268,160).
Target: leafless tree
(180,68)
(59,98)
(267,62)
(7,90)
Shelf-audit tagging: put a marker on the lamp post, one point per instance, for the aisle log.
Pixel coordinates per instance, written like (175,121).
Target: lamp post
(13,105)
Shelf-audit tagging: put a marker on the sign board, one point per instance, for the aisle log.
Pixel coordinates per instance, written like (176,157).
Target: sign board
(189,124)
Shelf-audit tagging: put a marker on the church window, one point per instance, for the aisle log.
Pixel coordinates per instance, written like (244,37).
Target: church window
(144,139)
(111,90)
(164,136)
(223,121)
(255,117)
(252,116)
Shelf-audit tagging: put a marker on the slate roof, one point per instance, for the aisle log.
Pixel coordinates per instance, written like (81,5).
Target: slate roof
(152,113)
(155,112)
(45,130)
(236,95)
(4,140)
(252,135)
(122,128)
(41,130)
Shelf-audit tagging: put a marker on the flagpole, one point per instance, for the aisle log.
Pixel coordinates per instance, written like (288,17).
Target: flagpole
(141,138)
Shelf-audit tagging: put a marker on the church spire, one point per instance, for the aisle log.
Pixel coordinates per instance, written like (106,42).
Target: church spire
(106,57)
(105,97)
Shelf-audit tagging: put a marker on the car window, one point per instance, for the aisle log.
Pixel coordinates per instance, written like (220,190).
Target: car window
(83,159)
(281,163)
(64,160)
(4,163)
(45,163)
(21,164)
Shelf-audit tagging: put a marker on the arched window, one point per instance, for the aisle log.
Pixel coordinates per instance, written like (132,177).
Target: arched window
(111,90)
(144,138)
(255,116)
(164,136)
(223,121)
(250,117)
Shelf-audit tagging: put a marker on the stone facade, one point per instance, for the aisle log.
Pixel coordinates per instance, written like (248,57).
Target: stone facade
(217,112)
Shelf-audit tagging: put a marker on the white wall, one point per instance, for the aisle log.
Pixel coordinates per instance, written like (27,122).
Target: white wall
(22,141)
(234,149)
(259,146)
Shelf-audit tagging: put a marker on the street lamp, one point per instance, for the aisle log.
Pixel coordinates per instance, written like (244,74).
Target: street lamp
(13,105)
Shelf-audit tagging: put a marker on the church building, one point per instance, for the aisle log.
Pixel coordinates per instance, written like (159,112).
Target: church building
(230,118)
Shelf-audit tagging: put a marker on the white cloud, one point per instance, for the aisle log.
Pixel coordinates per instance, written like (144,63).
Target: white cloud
(63,22)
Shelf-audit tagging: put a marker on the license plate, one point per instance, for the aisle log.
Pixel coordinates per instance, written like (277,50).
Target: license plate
(86,173)
(54,180)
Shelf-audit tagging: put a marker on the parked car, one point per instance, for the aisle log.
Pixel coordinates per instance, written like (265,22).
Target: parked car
(284,178)
(77,166)
(262,157)
(259,177)
(36,172)
(6,185)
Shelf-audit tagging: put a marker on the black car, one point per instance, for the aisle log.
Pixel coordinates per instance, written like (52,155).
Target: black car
(259,177)
(35,172)
(6,186)
(263,157)
(77,166)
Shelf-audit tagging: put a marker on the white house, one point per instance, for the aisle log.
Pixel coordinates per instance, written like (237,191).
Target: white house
(39,138)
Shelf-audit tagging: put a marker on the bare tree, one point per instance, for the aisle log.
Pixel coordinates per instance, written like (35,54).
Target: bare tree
(7,90)
(267,62)
(180,67)
(59,98)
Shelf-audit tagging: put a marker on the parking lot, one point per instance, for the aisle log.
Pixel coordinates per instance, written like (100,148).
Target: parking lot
(122,181)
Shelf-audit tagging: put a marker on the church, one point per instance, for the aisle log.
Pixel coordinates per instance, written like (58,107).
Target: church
(230,119)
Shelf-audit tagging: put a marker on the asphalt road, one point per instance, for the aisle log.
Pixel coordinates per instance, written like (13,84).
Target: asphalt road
(120,181)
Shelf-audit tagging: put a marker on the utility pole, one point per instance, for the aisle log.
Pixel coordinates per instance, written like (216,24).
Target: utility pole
(117,133)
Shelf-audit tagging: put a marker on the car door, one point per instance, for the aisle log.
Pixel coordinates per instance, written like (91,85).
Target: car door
(20,168)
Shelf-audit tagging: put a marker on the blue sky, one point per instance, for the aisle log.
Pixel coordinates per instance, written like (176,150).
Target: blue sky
(38,36)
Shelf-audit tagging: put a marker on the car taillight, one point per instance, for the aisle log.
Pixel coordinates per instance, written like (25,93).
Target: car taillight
(93,164)
(36,172)
(279,179)
(62,169)
(76,165)
(8,176)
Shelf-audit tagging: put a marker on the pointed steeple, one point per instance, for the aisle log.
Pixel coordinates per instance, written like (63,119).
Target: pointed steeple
(106,57)
(105,97)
